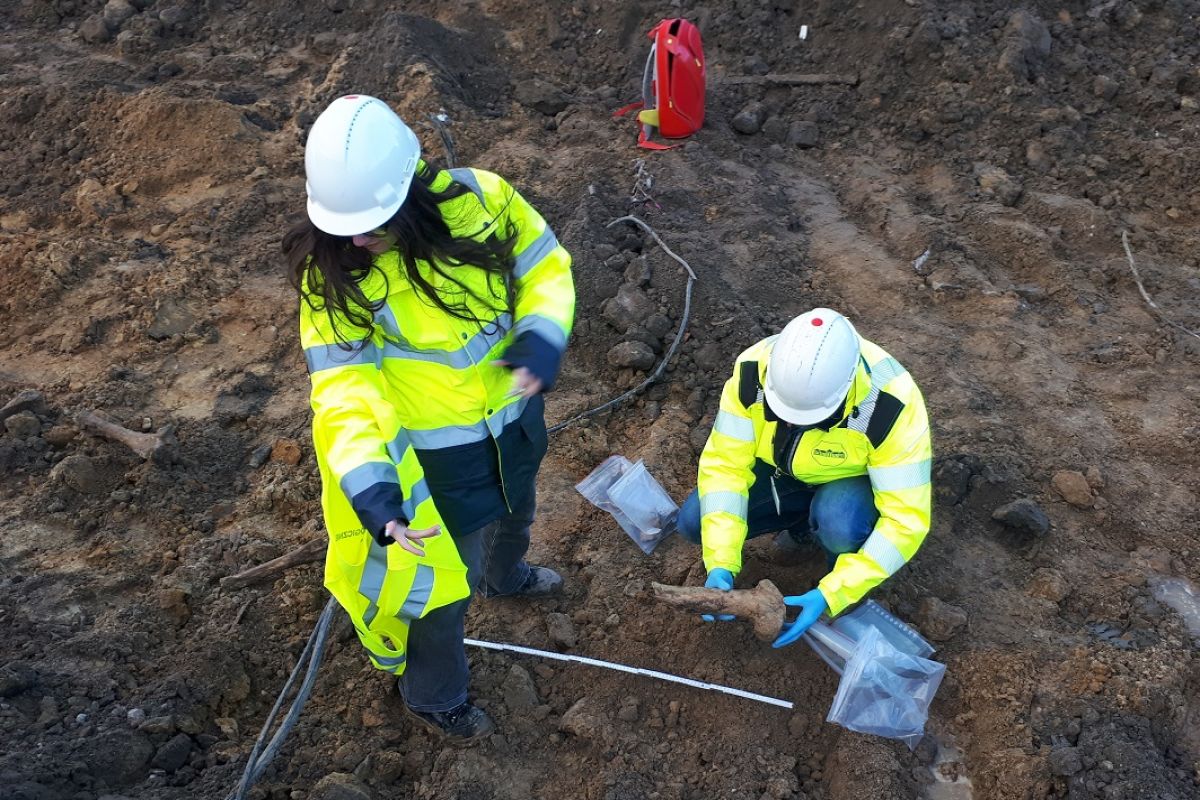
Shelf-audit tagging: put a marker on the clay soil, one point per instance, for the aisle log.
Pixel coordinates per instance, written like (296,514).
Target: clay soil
(963,202)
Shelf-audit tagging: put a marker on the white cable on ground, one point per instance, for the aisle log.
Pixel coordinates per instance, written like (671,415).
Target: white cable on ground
(649,673)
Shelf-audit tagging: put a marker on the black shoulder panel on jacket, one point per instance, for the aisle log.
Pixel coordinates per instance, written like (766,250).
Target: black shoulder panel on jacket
(887,411)
(748,383)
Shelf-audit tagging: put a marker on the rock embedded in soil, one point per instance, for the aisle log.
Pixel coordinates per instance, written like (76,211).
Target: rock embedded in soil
(94,30)
(583,721)
(116,12)
(540,96)
(561,630)
(286,451)
(750,119)
(636,355)
(1073,487)
(1027,46)
(1049,584)
(1065,761)
(23,425)
(998,183)
(120,758)
(1023,515)
(16,678)
(341,786)
(174,754)
(631,307)
(520,693)
(79,473)
(939,620)
(803,134)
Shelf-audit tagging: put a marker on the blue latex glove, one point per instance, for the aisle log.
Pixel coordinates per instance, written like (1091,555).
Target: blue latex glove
(719,579)
(812,606)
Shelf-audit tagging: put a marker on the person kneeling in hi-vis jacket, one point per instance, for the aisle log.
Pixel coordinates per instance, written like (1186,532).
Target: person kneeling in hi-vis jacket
(819,431)
(435,309)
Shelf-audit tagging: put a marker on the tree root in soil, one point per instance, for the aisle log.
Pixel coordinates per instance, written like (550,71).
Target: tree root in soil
(762,606)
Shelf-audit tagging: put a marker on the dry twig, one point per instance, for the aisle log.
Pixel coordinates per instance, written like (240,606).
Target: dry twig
(311,550)
(1146,295)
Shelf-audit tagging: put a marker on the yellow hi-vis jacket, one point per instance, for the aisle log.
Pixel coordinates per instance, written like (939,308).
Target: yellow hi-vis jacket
(384,589)
(885,436)
(432,375)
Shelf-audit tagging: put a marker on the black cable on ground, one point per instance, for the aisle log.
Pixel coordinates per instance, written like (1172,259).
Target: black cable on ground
(310,658)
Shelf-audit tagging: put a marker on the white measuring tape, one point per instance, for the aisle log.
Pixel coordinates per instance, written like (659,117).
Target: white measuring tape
(649,673)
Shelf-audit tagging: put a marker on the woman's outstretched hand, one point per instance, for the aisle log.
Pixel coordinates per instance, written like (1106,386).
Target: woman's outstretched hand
(409,539)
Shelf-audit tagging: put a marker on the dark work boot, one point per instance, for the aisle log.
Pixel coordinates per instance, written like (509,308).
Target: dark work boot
(541,581)
(462,726)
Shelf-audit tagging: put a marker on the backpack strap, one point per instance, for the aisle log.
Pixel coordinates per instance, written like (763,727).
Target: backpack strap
(749,388)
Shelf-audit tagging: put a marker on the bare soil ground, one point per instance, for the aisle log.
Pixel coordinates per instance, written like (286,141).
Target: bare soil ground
(152,158)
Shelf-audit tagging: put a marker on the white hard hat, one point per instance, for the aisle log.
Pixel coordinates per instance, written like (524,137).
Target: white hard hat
(812,367)
(359,162)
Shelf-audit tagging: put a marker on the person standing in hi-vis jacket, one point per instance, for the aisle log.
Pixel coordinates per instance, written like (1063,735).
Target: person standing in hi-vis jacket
(821,432)
(436,306)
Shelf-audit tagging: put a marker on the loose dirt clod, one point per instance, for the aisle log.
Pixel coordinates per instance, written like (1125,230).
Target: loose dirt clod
(762,605)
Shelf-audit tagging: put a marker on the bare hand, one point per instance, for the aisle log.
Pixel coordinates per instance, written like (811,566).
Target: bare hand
(525,383)
(409,539)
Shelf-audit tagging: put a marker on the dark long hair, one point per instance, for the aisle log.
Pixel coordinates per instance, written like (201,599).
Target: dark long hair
(328,270)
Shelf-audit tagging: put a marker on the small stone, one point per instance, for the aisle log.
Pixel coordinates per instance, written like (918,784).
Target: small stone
(561,630)
(157,725)
(628,710)
(803,134)
(116,12)
(1105,87)
(94,30)
(630,308)
(259,456)
(1049,584)
(135,716)
(16,678)
(582,721)
(174,603)
(1095,477)
(1025,515)
(939,620)
(541,96)
(999,184)
(1065,761)
(79,473)
(174,17)
(158,230)
(170,319)
(60,435)
(636,355)
(658,325)
(750,119)
(23,425)
(286,451)
(520,693)
(174,754)
(1073,487)
(952,480)
(1037,157)
(341,786)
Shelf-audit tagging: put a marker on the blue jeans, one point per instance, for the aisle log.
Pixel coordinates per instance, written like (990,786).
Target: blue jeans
(840,514)
(436,672)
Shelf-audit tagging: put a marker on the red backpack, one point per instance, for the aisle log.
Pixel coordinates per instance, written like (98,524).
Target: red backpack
(672,85)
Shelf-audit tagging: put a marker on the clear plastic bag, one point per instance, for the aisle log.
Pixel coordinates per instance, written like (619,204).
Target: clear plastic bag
(629,492)
(870,614)
(885,691)
(834,647)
